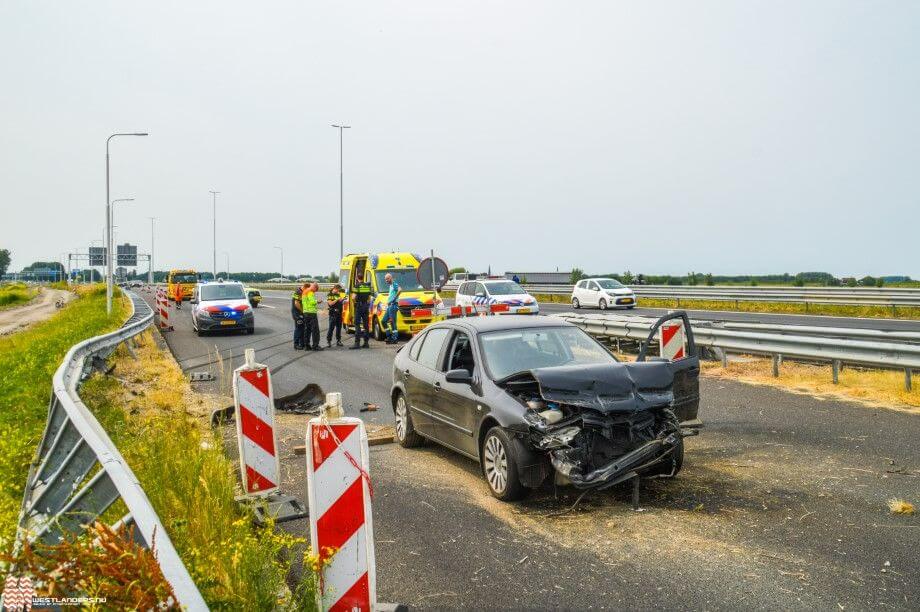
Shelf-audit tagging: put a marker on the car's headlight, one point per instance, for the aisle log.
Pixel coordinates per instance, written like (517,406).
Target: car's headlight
(204,314)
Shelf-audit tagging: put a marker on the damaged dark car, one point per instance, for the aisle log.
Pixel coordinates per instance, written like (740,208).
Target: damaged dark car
(535,397)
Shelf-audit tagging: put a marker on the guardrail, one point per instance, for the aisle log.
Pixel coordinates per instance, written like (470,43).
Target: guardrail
(61,496)
(843,296)
(786,342)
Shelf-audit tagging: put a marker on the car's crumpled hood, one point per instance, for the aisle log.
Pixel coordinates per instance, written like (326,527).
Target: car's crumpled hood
(619,387)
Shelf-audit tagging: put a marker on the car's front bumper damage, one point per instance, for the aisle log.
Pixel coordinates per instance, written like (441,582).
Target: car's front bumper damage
(597,427)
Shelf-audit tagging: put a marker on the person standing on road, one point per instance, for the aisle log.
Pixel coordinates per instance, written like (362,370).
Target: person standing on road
(389,319)
(362,295)
(334,301)
(310,318)
(297,315)
(516,279)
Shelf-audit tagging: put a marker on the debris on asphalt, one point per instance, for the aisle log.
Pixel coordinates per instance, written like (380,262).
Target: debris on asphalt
(369,407)
(200,376)
(308,400)
(900,506)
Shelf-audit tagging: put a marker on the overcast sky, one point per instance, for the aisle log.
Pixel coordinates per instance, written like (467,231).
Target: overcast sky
(724,137)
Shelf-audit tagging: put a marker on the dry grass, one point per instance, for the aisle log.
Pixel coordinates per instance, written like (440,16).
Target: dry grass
(161,426)
(899,506)
(879,388)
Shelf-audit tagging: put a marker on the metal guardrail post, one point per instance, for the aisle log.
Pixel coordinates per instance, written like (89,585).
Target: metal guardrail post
(907,382)
(72,446)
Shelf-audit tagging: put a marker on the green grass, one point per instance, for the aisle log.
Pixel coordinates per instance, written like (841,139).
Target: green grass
(159,425)
(16,295)
(28,360)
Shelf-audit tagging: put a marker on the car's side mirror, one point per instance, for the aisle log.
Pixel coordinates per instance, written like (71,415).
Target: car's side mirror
(193,301)
(459,376)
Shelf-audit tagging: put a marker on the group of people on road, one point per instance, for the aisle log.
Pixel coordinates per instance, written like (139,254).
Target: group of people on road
(304,311)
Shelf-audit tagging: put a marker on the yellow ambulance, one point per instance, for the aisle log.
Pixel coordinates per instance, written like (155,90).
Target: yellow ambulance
(373,268)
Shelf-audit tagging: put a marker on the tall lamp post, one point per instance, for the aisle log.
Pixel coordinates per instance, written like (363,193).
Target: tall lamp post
(341,193)
(114,202)
(108,222)
(227,256)
(214,213)
(150,271)
(282,260)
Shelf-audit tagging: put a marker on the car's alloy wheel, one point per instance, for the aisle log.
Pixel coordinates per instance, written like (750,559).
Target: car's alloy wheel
(495,464)
(576,303)
(602,304)
(405,431)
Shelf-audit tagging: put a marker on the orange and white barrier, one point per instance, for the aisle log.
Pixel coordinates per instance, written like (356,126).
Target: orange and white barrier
(671,340)
(339,492)
(256,435)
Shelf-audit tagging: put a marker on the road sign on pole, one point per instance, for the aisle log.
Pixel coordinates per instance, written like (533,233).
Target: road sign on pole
(432,273)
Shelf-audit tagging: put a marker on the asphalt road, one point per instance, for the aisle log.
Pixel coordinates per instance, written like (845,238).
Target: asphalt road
(781,503)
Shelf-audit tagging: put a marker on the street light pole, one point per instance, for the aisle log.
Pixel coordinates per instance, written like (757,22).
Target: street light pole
(227,255)
(214,195)
(108,222)
(282,260)
(341,193)
(150,270)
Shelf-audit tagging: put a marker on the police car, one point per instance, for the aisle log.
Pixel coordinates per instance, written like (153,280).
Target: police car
(483,294)
(221,305)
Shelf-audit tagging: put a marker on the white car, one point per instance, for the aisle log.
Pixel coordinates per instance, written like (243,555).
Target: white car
(603,293)
(482,294)
(221,305)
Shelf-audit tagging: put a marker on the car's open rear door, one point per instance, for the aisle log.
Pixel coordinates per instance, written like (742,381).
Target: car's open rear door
(686,371)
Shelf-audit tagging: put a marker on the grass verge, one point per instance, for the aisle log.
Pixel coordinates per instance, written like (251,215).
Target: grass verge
(28,360)
(160,425)
(879,388)
(16,295)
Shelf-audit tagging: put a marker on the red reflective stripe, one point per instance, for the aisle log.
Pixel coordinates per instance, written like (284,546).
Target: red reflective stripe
(499,307)
(668,332)
(421,312)
(679,354)
(257,430)
(323,447)
(357,597)
(256,481)
(257,379)
(343,518)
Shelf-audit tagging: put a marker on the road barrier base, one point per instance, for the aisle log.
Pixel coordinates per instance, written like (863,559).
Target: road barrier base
(278,507)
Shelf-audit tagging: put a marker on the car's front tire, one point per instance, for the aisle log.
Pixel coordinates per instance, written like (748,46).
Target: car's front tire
(575,303)
(602,304)
(405,431)
(378,330)
(500,466)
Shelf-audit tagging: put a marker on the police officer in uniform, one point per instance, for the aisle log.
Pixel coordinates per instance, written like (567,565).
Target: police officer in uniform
(334,301)
(297,315)
(362,295)
(311,318)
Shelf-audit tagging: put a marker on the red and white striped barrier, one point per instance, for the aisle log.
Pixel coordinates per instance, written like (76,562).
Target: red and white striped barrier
(255,427)
(671,340)
(163,311)
(341,527)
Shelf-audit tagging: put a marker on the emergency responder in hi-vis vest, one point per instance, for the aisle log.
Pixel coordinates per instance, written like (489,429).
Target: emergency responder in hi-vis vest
(311,318)
(297,315)
(362,296)
(334,300)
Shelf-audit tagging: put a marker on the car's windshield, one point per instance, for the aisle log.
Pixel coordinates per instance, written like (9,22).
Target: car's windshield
(518,350)
(405,278)
(184,278)
(608,283)
(220,291)
(505,288)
